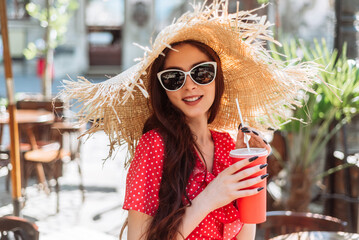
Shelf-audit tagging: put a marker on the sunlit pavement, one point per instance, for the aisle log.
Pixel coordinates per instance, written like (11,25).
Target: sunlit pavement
(100,216)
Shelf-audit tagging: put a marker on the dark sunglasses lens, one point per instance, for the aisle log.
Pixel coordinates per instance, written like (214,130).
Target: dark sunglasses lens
(203,74)
(172,80)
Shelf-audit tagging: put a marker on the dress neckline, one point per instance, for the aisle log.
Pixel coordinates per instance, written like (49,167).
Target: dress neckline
(200,163)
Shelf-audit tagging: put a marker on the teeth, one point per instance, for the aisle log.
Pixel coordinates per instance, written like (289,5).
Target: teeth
(192,99)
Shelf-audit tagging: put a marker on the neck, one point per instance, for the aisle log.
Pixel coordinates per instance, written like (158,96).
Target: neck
(199,128)
(204,141)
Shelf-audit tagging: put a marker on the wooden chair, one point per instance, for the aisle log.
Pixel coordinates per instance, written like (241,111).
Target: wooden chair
(45,148)
(285,222)
(12,227)
(50,152)
(50,158)
(63,128)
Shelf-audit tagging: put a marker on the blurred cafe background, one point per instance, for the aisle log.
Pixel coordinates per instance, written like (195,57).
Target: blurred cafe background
(68,191)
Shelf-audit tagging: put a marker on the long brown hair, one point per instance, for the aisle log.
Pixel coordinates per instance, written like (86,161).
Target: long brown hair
(179,147)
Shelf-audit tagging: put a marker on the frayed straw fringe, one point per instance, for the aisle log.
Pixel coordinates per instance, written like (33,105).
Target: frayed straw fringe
(119,107)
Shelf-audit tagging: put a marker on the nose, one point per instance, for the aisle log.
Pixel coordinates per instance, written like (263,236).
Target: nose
(189,84)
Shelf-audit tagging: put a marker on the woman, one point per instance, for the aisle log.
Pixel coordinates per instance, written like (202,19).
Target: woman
(180,125)
(175,106)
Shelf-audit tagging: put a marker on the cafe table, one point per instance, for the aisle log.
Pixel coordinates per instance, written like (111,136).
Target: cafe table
(26,120)
(29,118)
(318,235)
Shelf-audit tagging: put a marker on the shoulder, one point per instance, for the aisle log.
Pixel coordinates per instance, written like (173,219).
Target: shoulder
(149,141)
(150,149)
(222,138)
(222,135)
(151,136)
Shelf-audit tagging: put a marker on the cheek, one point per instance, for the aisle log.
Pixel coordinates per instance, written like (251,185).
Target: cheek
(171,96)
(213,92)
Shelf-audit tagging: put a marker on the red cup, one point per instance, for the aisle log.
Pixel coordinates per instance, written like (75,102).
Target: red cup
(252,209)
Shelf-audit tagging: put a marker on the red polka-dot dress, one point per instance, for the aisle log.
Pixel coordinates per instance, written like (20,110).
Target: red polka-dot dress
(144,179)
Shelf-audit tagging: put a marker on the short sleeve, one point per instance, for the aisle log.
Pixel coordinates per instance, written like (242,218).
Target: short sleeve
(145,174)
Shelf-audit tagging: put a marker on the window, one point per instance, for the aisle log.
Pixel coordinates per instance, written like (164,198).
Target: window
(16,9)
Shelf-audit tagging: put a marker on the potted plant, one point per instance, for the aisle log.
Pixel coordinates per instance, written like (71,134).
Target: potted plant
(306,137)
(54,18)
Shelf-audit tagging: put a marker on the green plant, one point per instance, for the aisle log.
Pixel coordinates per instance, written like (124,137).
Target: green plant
(335,103)
(56,18)
(262,1)
(3,102)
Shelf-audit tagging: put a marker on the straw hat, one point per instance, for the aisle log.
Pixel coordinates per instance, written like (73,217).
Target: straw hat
(264,87)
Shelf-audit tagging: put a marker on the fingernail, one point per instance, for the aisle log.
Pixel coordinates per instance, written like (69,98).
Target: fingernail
(245,131)
(253,158)
(240,125)
(263,165)
(264,176)
(255,133)
(265,141)
(260,189)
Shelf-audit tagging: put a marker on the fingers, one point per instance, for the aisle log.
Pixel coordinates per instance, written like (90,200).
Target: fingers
(240,140)
(256,139)
(238,165)
(250,182)
(247,192)
(245,189)
(236,181)
(243,174)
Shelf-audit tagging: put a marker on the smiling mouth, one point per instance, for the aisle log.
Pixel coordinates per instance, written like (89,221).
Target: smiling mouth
(192,99)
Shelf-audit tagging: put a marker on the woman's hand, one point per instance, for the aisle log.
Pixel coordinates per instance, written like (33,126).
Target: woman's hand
(229,184)
(256,139)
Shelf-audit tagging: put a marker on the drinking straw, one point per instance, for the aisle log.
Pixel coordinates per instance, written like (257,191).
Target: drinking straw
(240,116)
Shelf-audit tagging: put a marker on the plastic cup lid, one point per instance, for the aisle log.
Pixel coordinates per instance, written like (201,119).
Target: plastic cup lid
(244,152)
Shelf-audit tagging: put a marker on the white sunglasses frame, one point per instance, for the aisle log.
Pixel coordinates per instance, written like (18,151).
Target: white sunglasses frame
(188,73)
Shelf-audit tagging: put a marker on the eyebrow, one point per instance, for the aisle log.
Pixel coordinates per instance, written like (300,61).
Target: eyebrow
(195,64)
